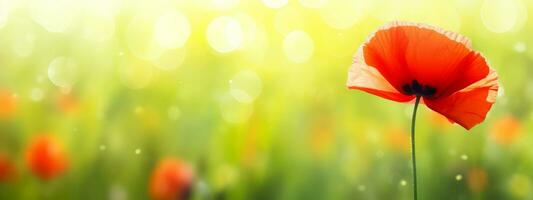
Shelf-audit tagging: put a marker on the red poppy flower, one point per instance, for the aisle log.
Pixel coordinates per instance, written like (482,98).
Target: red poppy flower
(7,168)
(403,60)
(171,179)
(45,157)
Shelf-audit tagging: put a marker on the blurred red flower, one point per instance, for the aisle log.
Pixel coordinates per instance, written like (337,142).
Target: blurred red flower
(7,168)
(171,179)
(403,60)
(46,157)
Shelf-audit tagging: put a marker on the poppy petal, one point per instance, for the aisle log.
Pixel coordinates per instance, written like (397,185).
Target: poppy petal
(469,106)
(368,79)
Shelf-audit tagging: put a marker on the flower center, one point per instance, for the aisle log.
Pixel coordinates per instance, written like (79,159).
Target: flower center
(418,89)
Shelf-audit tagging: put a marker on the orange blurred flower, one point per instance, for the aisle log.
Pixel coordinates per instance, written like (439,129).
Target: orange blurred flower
(8,104)
(506,130)
(439,120)
(68,103)
(398,139)
(171,179)
(46,157)
(477,179)
(7,168)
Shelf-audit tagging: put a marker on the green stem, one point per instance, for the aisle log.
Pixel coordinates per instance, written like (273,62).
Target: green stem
(413,154)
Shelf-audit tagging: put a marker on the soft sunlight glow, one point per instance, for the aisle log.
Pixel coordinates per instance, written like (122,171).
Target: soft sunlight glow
(245,86)
(520,47)
(233,111)
(173,113)
(63,72)
(171,59)
(298,46)
(255,41)
(343,14)
(54,15)
(36,94)
(275,3)
(313,3)
(172,29)
(4,12)
(140,39)
(135,73)
(99,27)
(499,16)
(222,4)
(23,45)
(225,34)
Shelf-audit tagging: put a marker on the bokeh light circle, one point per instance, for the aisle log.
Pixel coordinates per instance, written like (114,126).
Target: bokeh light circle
(135,73)
(54,15)
(140,38)
(499,16)
(275,3)
(245,86)
(343,14)
(298,46)
(24,39)
(37,94)
(4,12)
(172,30)
(174,113)
(23,46)
(224,34)
(313,3)
(255,39)
(220,4)
(171,59)
(63,72)
(233,111)
(99,27)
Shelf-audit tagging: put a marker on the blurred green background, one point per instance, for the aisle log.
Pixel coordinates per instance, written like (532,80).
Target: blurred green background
(252,94)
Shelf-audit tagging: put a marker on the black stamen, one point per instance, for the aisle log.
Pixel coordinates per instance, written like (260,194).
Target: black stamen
(429,91)
(415,88)
(407,89)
